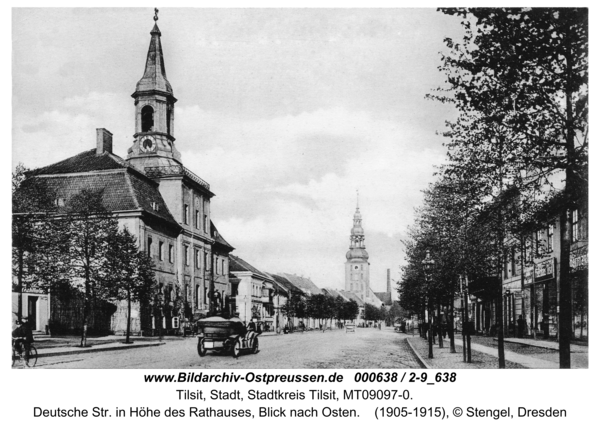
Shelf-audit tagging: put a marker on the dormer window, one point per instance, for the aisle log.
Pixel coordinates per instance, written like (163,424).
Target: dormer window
(147,119)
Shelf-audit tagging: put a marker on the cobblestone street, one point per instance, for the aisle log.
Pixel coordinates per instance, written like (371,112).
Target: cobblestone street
(366,348)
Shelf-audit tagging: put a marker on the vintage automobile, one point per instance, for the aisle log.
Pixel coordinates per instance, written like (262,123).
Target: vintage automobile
(226,336)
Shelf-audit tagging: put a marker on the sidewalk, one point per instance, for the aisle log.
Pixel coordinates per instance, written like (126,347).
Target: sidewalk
(48,346)
(546,344)
(484,356)
(444,359)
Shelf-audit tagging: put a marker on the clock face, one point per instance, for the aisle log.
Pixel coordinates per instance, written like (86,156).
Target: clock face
(148,145)
(355,267)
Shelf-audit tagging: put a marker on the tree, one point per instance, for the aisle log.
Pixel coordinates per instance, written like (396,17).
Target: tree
(372,312)
(85,232)
(294,307)
(519,80)
(320,307)
(350,310)
(129,273)
(32,203)
(339,308)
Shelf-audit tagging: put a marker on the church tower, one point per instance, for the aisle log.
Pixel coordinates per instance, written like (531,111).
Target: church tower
(154,141)
(357,259)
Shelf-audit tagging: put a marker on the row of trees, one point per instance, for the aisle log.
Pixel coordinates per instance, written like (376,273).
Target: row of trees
(321,307)
(76,243)
(519,83)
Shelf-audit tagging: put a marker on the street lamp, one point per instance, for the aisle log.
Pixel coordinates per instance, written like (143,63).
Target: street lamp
(428,264)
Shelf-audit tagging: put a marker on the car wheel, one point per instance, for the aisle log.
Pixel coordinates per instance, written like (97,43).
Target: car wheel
(201,348)
(255,346)
(237,346)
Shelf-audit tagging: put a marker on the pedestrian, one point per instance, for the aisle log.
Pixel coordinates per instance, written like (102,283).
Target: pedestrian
(520,326)
(23,338)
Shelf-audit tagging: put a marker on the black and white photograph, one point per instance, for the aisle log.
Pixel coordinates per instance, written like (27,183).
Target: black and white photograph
(299,188)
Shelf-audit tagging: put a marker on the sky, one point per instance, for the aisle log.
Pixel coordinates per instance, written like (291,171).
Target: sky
(285,112)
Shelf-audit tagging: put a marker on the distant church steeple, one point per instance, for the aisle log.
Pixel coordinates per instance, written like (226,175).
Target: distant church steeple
(357,258)
(154,141)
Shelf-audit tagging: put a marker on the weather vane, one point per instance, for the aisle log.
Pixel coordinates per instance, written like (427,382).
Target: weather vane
(156,14)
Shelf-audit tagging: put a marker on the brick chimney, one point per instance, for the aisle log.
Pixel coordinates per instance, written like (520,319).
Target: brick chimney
(389,282)
(103,141)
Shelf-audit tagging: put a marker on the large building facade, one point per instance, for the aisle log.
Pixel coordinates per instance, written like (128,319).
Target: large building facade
(164,204)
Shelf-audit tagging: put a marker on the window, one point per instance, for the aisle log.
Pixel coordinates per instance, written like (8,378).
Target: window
(206,262)
(149,247)
(197,220)
(540,242)
(147,119)
(223,266)
(550,238)
(197,259)
(171,253)
(186,213)
(186,255)
(575,227)
(160,250)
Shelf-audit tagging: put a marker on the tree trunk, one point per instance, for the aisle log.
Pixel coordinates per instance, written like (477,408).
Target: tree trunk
(439,324)
(564,316)
(450,325)
(566,221)
(20,286)
(128,329)
(86,309)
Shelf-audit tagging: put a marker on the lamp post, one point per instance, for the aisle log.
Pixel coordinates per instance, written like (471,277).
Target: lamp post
(427,269)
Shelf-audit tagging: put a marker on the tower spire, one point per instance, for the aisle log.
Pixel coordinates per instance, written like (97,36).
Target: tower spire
(154,144)
(155,75)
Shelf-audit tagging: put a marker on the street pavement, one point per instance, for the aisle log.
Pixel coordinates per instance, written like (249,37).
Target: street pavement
(334,349)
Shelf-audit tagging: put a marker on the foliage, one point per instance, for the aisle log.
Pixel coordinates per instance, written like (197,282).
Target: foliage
(129,272)
(320,306)
(32,204)
(295,306)
(372,313)
(519,81)
(350,310)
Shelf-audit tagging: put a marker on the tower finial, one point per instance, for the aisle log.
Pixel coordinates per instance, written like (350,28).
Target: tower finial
(356,198)
(155,14)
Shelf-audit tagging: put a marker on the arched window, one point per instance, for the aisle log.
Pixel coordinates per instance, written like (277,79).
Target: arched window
(147,119)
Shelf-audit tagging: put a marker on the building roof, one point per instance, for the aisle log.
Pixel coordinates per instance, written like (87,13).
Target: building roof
(214,233)
(87,161)
(122,190)
(236,264)
(303,283)
(351,296)
(284,282)
(334,293)
(278,286)
(385,297)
